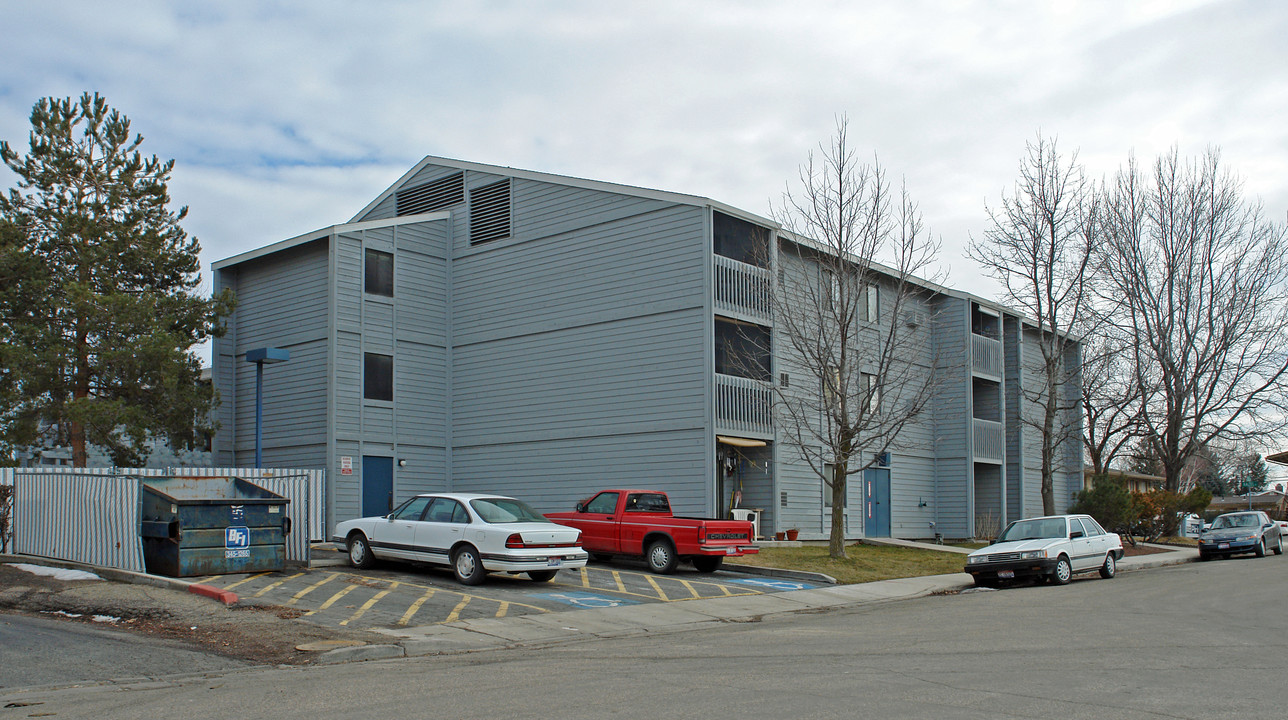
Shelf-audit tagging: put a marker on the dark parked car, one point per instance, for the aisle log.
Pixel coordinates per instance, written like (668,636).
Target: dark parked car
(1250,531)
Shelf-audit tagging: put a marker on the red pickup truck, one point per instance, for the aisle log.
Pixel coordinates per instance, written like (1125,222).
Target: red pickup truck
(640,523)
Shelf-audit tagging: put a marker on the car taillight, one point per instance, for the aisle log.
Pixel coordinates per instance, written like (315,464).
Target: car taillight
(702,533)
(514,541)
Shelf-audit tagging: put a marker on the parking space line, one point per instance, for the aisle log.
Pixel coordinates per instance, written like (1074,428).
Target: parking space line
(501,611)
(331,600)
(455,614)
(621,587)
(270,586)
(311,588)
(585,577)
(367,605)
(661,595)
(690,587)
(406,618)
(244,580)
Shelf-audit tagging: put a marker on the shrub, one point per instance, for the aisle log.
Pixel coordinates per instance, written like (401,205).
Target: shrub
(1159,512)
(1109,503)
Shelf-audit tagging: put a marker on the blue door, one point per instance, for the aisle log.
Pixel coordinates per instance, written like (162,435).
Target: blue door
(876,496)
(377,485)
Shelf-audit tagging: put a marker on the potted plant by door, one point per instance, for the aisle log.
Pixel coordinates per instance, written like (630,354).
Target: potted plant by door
(793,533)
(780,535)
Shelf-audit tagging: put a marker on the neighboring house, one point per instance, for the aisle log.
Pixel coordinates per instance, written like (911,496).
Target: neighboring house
(1134,482)
(1272,502)
(480,328)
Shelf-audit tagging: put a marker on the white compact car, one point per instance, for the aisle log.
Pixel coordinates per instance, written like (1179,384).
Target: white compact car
(1047,548)
(472,534)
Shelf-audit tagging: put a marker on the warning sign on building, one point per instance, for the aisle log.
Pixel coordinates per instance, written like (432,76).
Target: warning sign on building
(346,465)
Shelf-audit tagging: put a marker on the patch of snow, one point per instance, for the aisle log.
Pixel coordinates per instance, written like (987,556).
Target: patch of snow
(106,619)
(64,613)
(56,573)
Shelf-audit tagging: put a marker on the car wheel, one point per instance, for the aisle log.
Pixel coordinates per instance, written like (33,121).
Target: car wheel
(1110,568)
(542,575)
(1063,572)
(467,566)
(707,564)
(1261,548)
(360,551)
(601,557)
(660,557)
(1204,557)
(986,582)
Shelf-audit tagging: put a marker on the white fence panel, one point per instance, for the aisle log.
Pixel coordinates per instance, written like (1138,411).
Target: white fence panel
(80,516)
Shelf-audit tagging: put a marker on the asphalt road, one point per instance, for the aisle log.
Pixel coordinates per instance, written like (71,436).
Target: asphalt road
(38,651)
(1193,641)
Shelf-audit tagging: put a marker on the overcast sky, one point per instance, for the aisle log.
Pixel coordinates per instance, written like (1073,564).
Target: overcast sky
(284,117)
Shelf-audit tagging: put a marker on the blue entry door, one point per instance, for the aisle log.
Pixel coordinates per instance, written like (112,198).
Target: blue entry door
(377,485)
(876,497)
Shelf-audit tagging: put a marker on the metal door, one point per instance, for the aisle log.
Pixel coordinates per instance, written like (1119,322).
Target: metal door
(377,485)
(876,502)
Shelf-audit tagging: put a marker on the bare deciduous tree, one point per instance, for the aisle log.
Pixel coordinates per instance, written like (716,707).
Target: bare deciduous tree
(857,330)
(1202,282)
(1110,399)
(1039,246)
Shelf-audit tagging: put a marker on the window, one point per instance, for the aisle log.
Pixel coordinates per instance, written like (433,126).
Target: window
(647,502)
(412,509)
(377,377)
(742,349)
(872,392)
(604,504)
(740,240)
(829,476)
(379,273)
(869,309)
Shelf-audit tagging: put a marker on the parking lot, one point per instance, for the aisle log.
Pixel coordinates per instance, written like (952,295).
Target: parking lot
(394,595)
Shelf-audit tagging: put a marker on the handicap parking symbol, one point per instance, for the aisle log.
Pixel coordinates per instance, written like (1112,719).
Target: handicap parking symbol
(773,584)
(585,599)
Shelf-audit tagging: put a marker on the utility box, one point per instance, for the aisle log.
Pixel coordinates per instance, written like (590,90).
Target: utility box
(212,526)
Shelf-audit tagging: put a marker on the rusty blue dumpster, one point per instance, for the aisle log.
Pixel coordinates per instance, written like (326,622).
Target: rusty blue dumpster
(212,526)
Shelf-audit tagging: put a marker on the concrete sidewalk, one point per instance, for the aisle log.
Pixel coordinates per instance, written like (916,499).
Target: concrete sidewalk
(574,625)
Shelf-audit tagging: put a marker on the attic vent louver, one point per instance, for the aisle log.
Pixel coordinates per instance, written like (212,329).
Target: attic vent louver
(436,195)
(490,212)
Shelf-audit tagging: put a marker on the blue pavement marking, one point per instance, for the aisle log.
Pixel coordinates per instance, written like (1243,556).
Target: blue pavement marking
(585,599)
(780,585)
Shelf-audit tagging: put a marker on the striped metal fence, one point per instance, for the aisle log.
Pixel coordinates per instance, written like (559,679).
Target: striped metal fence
(93,515)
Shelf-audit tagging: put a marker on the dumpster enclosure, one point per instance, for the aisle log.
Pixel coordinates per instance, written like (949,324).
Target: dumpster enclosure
(211,526)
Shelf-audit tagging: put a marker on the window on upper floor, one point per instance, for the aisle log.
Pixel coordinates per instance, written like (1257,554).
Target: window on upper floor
(743,349)
(379,273)
(873,392)
(870,304)
(740,240)
(377,376)
(985,322)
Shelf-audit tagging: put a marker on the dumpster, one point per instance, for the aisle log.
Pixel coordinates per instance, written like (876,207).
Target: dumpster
(212,526)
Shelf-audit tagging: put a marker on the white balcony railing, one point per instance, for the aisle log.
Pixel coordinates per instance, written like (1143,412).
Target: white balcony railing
(741,288)
(990,440)
(986,355)
(744,406)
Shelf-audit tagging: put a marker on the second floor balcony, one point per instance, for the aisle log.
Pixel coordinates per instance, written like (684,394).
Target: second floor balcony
(990,440)
(744,407)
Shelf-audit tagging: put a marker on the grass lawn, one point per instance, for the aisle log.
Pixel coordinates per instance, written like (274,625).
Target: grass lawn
(866,563)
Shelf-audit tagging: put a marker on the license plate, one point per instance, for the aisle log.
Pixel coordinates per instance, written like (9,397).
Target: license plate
(1005,574)
(554,562)
(1223,546)
(731,551)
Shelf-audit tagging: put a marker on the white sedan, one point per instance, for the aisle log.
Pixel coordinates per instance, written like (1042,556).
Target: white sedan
(472,534)
(1047,548)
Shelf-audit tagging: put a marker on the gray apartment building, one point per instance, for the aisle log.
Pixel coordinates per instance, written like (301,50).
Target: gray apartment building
(481,328)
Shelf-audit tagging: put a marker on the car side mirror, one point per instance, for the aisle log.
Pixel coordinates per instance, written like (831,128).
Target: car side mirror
(581,507)
(1076,534)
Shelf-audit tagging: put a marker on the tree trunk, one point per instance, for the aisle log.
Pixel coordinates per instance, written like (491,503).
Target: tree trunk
(80,392)
(840,480)
(1048,454)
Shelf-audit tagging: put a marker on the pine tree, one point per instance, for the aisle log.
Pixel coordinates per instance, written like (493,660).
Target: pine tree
(100,300)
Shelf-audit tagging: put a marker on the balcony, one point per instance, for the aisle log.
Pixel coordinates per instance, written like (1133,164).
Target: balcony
(744,407)
(741,289)
(990,441)
(986,356)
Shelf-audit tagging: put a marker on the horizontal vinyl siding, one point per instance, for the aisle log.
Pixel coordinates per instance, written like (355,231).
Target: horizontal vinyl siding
(637,374)
(912,481)
(554,475)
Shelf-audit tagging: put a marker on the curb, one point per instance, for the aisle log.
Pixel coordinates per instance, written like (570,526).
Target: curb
(785,574)
(226,597)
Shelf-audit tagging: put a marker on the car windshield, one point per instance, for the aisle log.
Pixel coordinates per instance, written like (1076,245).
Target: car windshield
(505,510)
(1034,529)
(1234,521)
